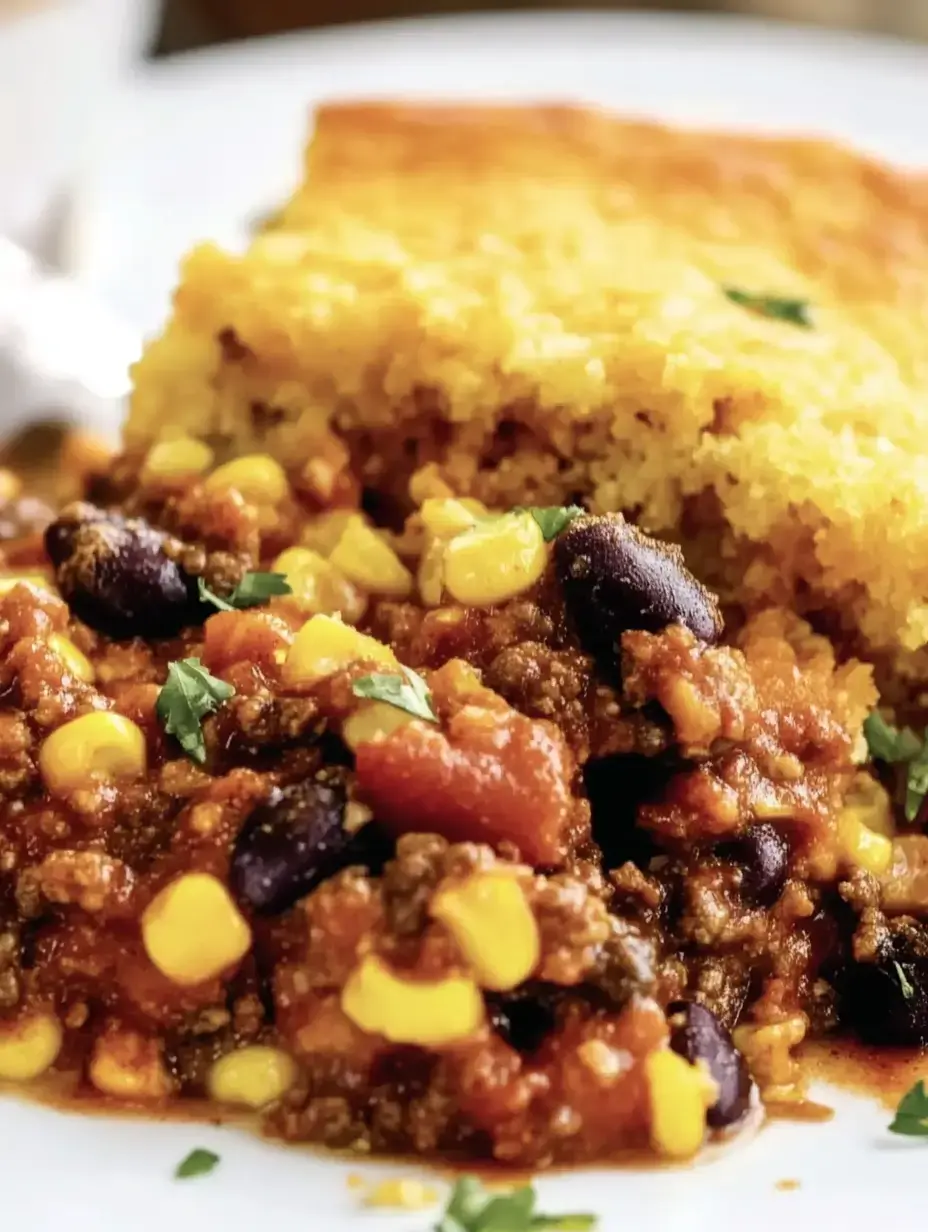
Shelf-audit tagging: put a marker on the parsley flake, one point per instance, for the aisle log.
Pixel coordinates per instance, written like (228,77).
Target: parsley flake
(777,308)
(552,519)
(472,1208)
(252,590)
(916,783)
(912,1114)
(406,690)
(905,985)
(199,1162)
(188,694)
(888,743)
(901,746)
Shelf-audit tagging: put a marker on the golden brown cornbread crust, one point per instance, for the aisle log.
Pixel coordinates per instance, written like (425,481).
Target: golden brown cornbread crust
(527,304)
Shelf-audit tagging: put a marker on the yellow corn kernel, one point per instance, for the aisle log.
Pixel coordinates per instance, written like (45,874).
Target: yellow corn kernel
(97,747)
(494,927)
(193,930)
(176,461)
(325,645)
(318,586)
(679,1094)
(404,1011)
(40,580)
(495,561)
(323,532)
(862,847)
(252,1077)
(870,800)
(10,485)
(427,482)
(128,1065)
(431,573)
(29,1047)
(446,518)
(364,556)
(606,1062)
(75,661)
(356,816)
(768,1050)
(402,1194)
(260,479)
(373,721)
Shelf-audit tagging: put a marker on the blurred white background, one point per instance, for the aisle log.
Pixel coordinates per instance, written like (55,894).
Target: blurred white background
(61,63)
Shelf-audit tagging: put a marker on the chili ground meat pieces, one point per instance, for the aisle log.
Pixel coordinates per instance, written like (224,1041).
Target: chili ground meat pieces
(506,1103)
(457,929)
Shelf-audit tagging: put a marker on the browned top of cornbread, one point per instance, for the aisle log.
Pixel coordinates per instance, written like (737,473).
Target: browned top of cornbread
(852,221)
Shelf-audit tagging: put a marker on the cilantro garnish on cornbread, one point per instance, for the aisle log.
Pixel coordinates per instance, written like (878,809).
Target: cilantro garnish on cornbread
(776,307)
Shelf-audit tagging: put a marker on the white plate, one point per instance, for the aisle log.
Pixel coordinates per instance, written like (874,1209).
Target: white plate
(199,147)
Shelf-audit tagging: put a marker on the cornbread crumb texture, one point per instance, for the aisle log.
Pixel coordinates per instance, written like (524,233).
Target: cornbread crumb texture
(537,296)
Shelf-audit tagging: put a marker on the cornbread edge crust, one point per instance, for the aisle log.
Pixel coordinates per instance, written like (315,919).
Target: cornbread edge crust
(528,305)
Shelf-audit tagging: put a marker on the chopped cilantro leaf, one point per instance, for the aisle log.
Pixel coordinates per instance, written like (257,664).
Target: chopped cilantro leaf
(406,690)
(912,1114)
(199,1162)
(209,596)
(916,783)
(900,745)
(472,1208)
(253,589)
(777,308)
(553,518)
(188,694)
(564,1223)
(888,743)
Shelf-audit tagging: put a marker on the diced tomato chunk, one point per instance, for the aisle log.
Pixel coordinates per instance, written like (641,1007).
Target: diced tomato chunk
(495,776)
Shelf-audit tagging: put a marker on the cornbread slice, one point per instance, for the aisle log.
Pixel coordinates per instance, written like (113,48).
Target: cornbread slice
(529,306)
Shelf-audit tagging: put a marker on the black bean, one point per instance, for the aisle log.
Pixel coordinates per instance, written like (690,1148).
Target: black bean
(116,576)
(371,847)
(698,1035)
(525,1017)
(763,854)
(294,840)
(617,787)
(886,1001)
(615,579)
(59,534)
